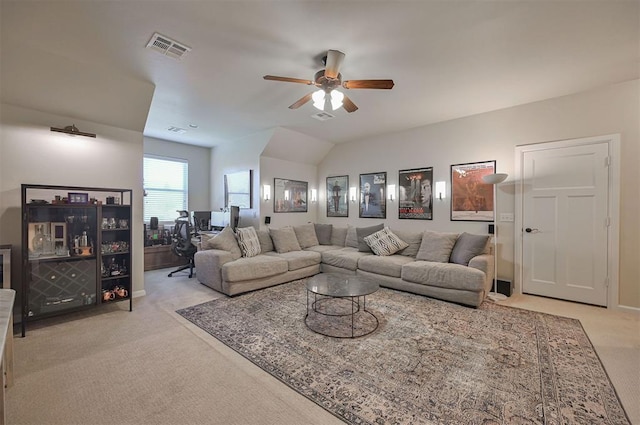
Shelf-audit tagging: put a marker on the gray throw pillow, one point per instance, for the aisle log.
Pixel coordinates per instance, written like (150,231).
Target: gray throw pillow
(323,232)
(436,246)
(306,235)
(266,244)
(226,241)
(468,246)
(351,239)
(284,240)
(414,239)
(362,232)
(338,236)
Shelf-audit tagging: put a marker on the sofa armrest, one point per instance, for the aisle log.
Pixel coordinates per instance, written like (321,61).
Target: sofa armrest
(209,264)
(484,263)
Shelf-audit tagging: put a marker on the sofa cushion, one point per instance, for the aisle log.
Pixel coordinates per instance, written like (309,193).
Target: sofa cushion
(346,258)
(468,246)
(257,267)
(306,235)
(351,240)
(299,259)
(444,275)
(363,232)
(284,239)
(248,241)
(266,244)
(436,246)
(323,233)
(390,265)
(385,242)
(226,241)
(323,248)
(414,239)
(338,236)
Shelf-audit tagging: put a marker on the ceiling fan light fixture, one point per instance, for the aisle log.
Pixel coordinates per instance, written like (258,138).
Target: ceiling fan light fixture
(318,99)
(336,99)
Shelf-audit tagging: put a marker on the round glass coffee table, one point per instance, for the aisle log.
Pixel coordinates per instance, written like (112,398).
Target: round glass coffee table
(337,305)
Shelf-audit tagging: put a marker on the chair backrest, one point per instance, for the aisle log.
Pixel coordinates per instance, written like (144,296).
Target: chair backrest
(234,217)
(181,238)
(202,221)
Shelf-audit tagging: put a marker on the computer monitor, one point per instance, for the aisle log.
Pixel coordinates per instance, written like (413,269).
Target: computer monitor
(202,221)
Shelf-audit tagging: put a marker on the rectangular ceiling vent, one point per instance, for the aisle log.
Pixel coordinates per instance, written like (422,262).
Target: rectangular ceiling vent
(323,116)
(167,46)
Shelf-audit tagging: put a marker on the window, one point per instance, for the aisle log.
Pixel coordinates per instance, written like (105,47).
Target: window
(165,187)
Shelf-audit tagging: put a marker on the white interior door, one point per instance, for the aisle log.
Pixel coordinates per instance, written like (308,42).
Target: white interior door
(565,222)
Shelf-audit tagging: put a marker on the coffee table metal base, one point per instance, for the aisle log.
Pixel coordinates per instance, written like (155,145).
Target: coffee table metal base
(319,306)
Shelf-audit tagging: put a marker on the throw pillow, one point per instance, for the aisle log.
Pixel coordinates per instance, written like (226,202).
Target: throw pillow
(351,240)
(366,231)
(284,239)
(436,246)
(468,246)
(306,235)
(323,232)
(385,242)
(338,236)
(414,239)
(226,241)
(266,244)
(248,241)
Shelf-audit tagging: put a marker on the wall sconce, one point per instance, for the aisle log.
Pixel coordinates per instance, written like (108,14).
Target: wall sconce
(286,195)
(314,195)
(441,190)
(72,130)
(352,194)
(266,192)
(391,190)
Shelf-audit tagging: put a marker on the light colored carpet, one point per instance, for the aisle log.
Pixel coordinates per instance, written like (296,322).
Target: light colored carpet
(151,366)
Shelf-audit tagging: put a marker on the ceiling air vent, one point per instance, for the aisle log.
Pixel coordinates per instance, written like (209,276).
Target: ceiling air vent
(167,46)
(177,130)
(323,116)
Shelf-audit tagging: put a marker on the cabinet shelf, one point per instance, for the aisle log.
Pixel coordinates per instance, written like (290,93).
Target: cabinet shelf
(59,284)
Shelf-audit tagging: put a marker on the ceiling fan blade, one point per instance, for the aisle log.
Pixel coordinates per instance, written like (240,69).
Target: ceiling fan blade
(368,84)
(304,99)
(348,105)
(334,60)
(288,79)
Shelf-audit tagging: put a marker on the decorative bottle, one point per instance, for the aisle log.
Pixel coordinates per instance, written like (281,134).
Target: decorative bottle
(38,240)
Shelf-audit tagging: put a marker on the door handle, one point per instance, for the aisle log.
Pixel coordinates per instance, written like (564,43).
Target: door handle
(530,230)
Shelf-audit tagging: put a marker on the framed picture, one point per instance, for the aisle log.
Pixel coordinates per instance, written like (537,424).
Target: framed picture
(471,198)
(78,198)
(338,196)
(373,195)
(289,196)
(415,197)
(237,189)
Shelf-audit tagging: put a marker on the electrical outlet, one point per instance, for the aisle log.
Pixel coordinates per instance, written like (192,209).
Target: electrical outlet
(506,217)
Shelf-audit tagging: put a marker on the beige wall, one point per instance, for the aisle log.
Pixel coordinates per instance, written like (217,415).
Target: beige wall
(31,153)
(494,135)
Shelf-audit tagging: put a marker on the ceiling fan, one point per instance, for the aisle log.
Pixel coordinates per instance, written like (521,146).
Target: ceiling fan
(328,80)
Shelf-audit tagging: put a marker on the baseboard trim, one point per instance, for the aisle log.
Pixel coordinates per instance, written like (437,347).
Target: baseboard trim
(140,293)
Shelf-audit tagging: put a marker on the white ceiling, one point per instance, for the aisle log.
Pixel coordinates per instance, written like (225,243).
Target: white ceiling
(448,59)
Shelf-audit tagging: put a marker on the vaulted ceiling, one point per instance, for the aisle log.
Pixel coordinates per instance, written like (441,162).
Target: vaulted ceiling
(448,60)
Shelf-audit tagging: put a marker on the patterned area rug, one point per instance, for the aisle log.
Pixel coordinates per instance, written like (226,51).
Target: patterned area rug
(429,362)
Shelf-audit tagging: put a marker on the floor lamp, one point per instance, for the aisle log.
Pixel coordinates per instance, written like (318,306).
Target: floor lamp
(495,180)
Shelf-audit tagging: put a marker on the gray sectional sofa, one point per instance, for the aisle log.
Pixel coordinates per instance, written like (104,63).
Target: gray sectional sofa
(447,266)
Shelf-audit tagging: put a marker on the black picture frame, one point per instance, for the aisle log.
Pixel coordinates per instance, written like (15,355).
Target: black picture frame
(415,193)
(338,196)
(373,195)
(77,198)
(290,195)
(471,198)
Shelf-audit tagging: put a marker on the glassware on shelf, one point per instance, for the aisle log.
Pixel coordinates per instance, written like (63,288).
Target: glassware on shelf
(37,242)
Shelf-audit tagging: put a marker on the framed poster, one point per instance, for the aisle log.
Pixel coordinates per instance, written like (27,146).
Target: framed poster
(338,196)
(471,198)
(237,189)
(373,199)
(289,196)
(415,198)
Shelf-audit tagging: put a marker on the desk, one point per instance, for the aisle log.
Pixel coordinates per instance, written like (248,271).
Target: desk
(7,298)
(161,257)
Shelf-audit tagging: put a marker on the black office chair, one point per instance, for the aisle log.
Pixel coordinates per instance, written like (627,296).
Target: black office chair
(181,242)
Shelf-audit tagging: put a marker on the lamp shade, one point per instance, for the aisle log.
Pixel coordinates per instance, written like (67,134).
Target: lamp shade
(494,178)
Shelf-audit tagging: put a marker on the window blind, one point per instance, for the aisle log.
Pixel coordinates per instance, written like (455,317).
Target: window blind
(165,186)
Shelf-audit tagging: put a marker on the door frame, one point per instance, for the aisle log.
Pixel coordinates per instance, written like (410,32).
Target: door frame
(613,239)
